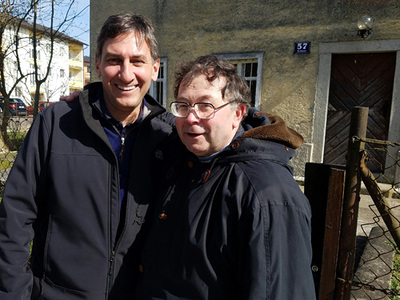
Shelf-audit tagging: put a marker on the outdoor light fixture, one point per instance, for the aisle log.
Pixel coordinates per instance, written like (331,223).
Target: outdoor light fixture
(364,25)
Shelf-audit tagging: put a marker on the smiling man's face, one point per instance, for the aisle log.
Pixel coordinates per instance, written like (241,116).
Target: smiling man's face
(126,69)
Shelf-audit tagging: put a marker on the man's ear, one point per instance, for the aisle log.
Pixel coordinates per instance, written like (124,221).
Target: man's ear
(156,67)
(98,67)
(239,114)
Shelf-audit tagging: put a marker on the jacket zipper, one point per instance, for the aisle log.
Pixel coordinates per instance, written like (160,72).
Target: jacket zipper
(115,247)
(110,278)
(122,138)
(112,259)
(122,147)
(113,252)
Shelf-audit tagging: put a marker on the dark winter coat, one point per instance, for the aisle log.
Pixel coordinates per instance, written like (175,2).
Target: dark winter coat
(237,227)
(63,192)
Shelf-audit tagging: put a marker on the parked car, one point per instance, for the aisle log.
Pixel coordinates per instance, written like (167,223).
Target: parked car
(42,105)
(16,107)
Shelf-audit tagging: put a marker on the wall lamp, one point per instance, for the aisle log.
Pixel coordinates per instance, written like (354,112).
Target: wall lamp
(364,25)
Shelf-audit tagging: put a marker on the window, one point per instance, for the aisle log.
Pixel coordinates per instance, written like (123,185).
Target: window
(248,70)
(249,66)
(37,48)
(32,76)
(32,54)
(158,89)
(18,92)
(16,69)
(62,73)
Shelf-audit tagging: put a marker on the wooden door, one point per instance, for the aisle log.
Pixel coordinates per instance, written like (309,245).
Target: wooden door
(359,80)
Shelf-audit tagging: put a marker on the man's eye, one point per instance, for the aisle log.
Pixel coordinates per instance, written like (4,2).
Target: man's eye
(182,106)
(138,62)
(204,107)
(113,61)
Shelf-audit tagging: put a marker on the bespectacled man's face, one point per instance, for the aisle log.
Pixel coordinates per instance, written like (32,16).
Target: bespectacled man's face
(205,137)
(126,69)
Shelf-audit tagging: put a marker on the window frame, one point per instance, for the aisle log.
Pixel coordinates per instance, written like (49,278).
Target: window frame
(163,79)
(246,58)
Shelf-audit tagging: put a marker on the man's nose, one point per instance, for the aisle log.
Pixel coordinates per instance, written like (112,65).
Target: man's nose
(127,73)
(192,116)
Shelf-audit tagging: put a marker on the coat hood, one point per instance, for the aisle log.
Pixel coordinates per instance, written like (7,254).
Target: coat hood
(264,126)
(262,136)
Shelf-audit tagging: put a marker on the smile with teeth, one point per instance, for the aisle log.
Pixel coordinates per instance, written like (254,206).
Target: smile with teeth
(127,88)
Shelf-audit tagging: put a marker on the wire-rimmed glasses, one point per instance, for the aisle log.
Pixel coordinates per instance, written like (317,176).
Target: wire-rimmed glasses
(203,110)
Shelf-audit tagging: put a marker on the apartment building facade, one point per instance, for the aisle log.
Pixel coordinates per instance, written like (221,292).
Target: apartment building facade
(307,61)
(86,69)
(66,68)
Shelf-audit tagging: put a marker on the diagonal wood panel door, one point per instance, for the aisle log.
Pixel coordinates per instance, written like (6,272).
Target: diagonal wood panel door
(359,80)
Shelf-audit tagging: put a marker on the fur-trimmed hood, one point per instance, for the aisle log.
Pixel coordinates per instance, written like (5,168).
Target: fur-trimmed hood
(266,126)
(262,136)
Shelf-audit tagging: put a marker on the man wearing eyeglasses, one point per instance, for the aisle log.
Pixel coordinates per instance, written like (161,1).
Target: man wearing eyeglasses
(230,221)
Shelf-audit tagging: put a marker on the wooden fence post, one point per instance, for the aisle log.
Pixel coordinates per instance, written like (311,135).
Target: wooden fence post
(347,244)
(324,188)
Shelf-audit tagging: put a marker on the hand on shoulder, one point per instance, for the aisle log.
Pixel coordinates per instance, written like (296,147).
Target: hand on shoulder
(70,97)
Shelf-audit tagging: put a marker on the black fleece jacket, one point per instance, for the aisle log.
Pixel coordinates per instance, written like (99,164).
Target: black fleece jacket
(63,192)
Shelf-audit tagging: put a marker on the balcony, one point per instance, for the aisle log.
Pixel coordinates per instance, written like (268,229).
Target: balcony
(75,84)
(75,64)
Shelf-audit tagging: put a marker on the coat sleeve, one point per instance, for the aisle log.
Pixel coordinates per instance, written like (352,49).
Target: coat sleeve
(18,212)
(277,256)
(168,118)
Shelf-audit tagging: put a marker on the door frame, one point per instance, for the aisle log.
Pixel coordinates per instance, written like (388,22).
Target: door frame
(322,94)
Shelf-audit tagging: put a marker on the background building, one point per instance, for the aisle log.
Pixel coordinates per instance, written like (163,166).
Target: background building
(66,70)
(304,60)
(86,69)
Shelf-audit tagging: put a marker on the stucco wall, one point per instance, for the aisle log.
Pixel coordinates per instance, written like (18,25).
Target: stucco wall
(188,28)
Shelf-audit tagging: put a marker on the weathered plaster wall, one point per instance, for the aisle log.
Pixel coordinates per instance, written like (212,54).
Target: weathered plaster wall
(189,28)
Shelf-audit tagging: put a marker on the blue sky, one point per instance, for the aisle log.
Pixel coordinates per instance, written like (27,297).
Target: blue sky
(78,19)
(81,28)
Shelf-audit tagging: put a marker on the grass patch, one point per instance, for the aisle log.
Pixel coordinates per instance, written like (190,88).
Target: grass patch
(7,162)
(7,158)
(395,283)
(16,140)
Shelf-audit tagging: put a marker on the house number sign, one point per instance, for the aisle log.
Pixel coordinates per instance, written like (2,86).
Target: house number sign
(302,47)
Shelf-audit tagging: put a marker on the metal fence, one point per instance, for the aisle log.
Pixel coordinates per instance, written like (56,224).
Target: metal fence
(377,273)
(16,132)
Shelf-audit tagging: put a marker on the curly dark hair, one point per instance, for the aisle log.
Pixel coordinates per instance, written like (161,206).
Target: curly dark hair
(236,88)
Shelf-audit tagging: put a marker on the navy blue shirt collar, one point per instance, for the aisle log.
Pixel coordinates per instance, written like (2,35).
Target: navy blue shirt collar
(100,104)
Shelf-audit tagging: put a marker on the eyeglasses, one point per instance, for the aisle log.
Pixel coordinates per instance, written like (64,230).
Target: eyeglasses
(203,110)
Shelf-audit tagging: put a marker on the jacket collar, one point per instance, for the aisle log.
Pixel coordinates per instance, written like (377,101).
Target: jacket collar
(92,115)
